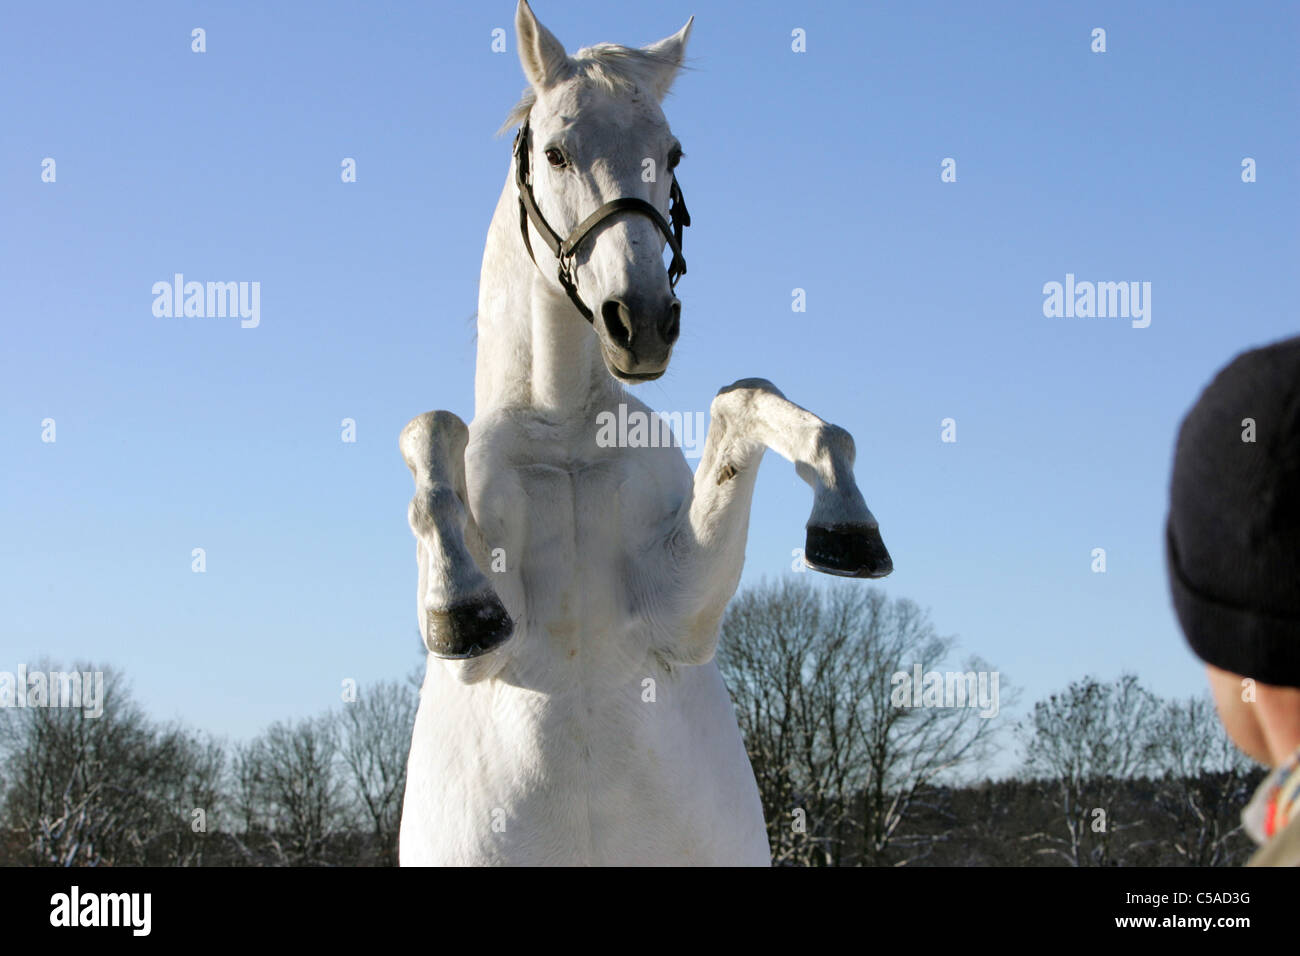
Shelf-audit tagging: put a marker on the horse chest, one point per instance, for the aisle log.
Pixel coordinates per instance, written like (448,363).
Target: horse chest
(572,533)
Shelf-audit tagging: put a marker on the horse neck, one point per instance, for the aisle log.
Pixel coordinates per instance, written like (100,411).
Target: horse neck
(535,349)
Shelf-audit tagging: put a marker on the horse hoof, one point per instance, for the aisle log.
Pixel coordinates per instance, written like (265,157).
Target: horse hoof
(849,552)
(468,629)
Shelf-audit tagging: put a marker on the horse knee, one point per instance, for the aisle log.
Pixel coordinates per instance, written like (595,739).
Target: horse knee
(434,443)
(753,385)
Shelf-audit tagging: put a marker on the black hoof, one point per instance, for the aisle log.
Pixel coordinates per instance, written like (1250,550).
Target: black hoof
(848,552)
(469,629)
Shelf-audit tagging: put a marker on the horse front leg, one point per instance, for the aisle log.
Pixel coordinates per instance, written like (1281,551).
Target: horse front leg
(706,548)
(461,618)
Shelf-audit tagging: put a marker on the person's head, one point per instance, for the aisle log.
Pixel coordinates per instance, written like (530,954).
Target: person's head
(1233,545)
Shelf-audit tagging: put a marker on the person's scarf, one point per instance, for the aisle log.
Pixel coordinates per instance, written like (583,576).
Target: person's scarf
(1283,797)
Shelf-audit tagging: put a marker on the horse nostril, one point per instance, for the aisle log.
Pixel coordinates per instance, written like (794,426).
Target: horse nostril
(672,324)
(618,322)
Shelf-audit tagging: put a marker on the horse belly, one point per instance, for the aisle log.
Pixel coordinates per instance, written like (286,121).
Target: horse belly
(671,782)
(646,775)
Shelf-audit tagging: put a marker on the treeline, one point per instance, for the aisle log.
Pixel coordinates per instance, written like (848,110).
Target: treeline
(855,767)
(858,762)
(1017,823)
(122,790)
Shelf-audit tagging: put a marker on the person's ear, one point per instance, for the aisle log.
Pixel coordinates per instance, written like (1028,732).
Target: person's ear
(1240,717)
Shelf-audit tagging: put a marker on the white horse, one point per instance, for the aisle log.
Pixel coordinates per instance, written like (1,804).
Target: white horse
(570,594)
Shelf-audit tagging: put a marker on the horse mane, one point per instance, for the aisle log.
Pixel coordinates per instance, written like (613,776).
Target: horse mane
(612,66)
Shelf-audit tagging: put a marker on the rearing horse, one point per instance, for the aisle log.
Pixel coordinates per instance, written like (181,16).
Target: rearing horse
(570,594)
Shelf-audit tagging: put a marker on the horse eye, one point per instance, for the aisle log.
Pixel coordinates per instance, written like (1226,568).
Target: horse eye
(674,158)
(555,157)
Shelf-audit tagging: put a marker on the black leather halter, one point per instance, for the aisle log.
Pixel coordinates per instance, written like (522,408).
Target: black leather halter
(564,250)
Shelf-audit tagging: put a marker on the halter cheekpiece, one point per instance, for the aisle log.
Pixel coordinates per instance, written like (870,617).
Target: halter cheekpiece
(564,250)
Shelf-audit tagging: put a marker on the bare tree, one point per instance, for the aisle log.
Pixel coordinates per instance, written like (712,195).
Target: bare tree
(1080,748)
(375,731)
(811,673)
(1204,781)
(911,748)
(291,792)
(105,789)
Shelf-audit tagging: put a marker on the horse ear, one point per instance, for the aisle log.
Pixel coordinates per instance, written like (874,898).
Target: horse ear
(672,51)
(541,54)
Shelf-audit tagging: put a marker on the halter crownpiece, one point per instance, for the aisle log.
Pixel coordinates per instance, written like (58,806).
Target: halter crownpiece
(564,250)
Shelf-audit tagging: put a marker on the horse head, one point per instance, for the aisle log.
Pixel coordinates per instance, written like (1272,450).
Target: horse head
(595,162)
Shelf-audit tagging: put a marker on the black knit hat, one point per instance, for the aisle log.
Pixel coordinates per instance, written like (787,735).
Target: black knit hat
(1233,537)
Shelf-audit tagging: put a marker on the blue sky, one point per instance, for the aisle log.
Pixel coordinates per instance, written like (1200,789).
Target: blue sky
(818,170)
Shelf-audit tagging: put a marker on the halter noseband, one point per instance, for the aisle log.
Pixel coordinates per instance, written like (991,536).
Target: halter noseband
(564,250)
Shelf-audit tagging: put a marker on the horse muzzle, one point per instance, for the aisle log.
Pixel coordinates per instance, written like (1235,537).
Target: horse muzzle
(637,335)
